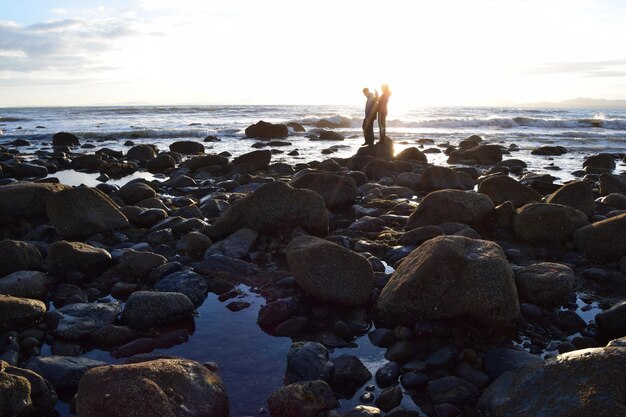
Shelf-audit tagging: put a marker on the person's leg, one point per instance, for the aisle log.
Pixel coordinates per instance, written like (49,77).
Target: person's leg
(382,125)
(370,137)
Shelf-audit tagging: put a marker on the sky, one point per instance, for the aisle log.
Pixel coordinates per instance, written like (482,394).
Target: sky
(431,53)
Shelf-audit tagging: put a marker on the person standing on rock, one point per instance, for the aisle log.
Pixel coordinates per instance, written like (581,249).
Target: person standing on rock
(370,116)
(382,111)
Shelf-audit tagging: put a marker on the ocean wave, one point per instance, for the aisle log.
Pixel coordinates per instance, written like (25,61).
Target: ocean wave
(13,119)
(513,122)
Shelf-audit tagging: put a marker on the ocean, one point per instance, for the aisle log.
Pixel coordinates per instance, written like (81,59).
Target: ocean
(582,132)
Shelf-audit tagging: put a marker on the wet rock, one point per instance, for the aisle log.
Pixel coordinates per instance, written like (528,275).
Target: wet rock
(389,398)
(363,411)
(25,200)
(63,372)
(18,256)
(414,380)
(602,160)
(257,159)
(569,322)
(612,322)
(440,178)
(64,257)
(65,139)
(274,207)
(83,211)
(24,284)
(577,194)
(481,154)
(452,389)
(443,206)
(158,388)
(336,190)
(501,188)
(187,147)
(141,153)
(603,240)
(379,168)
(472,375)
(388,374)
(381,337)
(549,151)
(26,170)
(265,130)
(194,286)
(302,399)
(400,351)
(439,280)
(545,283)
(18,312)
(140,264)
(329,271)
(575,384)
(112,335)
(443,358)
(419,235)
(349,373)
(204,161)
(610,183)
(278,311)
(615,200)
(145,309)
(544,222)
(134,192)
(82,319)
(162,163)
(24,392)
(308,361)
(237,245)
(411,154)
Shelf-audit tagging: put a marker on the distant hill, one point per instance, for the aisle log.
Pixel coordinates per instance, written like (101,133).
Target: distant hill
(582,103)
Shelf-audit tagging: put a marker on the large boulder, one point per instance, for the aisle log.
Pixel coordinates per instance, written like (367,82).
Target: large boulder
(84,211)
(16,312)
(468,207)
(274,207)
(25,284)
(441,178)
(142,153)
(501,188)
(64,256)
(139,264)
(162,163)
(612,322)
(602,161)
(481,154)
(187,147)
(257,159)
(24,393)
(18,256)
(25,200)
(610,183)
(590,382)
(336,190)
(158,388)
(201,161)
(329,271)
(134,192)
(604,240)
(265,130)
(65,139)
(577,194)
(545,222)
(26,170)
(544,283)
(411,154)
(145,309)
(450,276)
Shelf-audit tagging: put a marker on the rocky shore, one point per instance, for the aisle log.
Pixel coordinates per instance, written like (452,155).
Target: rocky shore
(491,290)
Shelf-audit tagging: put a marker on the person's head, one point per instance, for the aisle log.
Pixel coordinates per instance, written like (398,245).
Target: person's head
(384,88)
(366,92)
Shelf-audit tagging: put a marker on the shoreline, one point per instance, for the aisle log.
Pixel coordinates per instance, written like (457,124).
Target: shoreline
(213,222)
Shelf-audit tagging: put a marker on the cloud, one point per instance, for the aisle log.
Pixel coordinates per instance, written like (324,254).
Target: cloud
(597,69)
(67,45)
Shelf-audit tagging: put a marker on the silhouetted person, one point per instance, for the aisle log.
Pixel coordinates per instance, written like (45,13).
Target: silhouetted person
(382,110)
(370,116)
